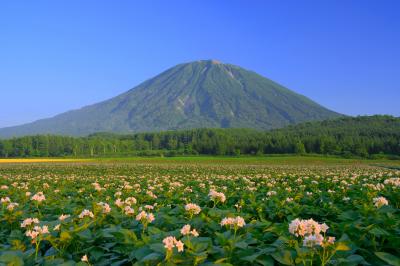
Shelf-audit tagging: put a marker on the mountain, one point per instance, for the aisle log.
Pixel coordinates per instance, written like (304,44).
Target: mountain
(191,95)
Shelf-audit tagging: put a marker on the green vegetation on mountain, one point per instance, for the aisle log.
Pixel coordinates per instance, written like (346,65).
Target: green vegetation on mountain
(368,136)
(201,94)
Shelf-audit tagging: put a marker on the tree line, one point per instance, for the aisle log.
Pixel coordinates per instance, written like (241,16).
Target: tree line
(366,136)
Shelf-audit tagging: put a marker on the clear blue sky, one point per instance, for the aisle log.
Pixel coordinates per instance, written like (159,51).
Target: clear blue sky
(61,55)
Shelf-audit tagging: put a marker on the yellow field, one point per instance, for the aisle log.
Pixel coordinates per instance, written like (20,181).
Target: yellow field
(41,160)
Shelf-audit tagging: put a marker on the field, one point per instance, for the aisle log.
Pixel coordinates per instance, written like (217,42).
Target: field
(200,211)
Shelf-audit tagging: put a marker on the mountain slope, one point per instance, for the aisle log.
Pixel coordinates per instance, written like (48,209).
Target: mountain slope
(191,95)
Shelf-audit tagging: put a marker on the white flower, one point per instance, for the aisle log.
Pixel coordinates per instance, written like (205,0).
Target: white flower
(192,208)
(85,258)
(85,213)
(217,196)
(62,217)
(39,197)
(380,201)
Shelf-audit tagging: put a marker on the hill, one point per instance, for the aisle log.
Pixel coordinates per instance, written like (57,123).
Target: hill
(191,95)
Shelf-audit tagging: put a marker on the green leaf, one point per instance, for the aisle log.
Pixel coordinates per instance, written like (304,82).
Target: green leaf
(252,258)
(377,231)
(12,258)
(341,246)
(267,261)
(241,245)
(388,258)
(283,257)
(152,257)
(141,253)
(158,247)
(348,216)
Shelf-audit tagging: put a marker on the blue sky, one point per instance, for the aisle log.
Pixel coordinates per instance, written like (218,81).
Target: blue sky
(61,55)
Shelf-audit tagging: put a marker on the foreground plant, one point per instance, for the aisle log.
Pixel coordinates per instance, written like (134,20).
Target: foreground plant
(313,236)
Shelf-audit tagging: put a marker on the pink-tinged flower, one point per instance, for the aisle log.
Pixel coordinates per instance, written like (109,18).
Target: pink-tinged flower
(179,246)
(85,213)
(170,242)
(236,222)
(105,207)
(311,231)
(145,217)
(28,194)
(217,196)
(11,206)
(42,230)
(128,210)
(313,240)
(62,217)
(192,208)
(186,230)
(324,228)
(194,233)
(119,203)
(39,197)
(29,221)
(5,200)
(150,217)
(149,207)
(85,258)
(380,201)
(240,221)
(32,234)
(130,201)
(37,231)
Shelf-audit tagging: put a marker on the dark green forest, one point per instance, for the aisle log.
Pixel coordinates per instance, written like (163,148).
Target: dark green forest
(364,136)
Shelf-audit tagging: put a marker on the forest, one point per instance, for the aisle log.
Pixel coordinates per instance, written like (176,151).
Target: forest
(363,136)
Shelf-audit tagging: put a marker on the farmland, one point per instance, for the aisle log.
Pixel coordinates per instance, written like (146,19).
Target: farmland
(200,211)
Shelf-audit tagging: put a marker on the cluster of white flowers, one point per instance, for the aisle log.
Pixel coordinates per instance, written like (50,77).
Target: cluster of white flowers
(105,207)
(39,197)
(186,231)
(12,205)
(217,196)
(29,221)
(170,242)
(192,208)
(126,205)
(380,201)
(5,200)
(151,194)
(145,217)
(36,231)
(130,201)
(236,222)
(394,181)
(97,186)
(85,213)
(377,187)
(311,231)
(62,217)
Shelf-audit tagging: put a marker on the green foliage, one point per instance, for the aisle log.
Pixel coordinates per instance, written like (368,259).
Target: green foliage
(267,197)
(369,136)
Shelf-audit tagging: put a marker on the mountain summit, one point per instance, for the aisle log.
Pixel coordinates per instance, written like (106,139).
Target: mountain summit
(198,94)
